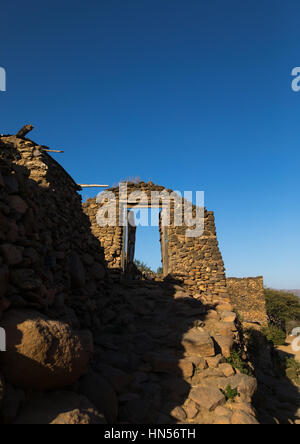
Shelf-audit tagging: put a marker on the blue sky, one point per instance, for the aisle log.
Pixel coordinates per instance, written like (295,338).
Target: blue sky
(194,95)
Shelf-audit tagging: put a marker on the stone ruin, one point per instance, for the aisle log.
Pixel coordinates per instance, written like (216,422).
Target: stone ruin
(247,296)
(195,260)
(87,347)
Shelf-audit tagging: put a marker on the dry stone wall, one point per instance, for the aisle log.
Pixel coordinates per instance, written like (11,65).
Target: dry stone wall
(49,260)
(53,281)
(247,297)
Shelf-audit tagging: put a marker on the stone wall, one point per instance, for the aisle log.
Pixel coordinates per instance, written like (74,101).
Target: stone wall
(196,260)
(49,259)
(247,297)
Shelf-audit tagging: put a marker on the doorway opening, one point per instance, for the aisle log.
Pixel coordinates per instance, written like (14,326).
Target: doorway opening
(145,243)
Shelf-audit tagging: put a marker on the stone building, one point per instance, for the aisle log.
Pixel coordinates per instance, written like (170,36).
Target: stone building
(247,297)
(195,260)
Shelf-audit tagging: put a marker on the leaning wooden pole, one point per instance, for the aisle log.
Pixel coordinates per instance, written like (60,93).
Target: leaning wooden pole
(24,131)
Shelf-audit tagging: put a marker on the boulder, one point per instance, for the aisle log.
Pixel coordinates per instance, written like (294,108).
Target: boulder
(59,408)
(243,418)
(101,394)
(222,420)
(215,361)
(191,409)
(227,370)
(208,398)
(246,386)
(18,204)
(178,413)
(12,255)
(42,354)
(26,279)
(165,364)
(239,406)
(225,343)
(198,342)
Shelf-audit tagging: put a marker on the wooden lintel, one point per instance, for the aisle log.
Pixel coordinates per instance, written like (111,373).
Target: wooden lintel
(93,186)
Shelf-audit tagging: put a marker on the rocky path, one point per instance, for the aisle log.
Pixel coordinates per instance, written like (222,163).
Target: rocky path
(279,400)
(288,350)
(164,353)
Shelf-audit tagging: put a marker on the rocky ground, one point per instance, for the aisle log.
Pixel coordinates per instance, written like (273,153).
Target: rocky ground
(164,353)
(277,400)
(159,358)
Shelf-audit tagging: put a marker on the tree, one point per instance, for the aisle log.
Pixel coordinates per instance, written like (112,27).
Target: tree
(275,335)
(282,308)
(144,268)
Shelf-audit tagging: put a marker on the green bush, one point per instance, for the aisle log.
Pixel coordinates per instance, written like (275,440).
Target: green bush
(144,268)
(282,307)
(236,361)
(275,335)
(230,393)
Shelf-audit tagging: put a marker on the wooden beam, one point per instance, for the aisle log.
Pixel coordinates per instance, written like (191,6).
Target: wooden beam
(93,186)
(52,151)
(23,131)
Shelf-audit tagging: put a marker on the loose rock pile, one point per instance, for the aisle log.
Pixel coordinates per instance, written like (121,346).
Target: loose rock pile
(165,352)
(247,296)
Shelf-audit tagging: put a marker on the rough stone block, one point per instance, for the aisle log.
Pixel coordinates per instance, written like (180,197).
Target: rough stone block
(208,398)
(198,342)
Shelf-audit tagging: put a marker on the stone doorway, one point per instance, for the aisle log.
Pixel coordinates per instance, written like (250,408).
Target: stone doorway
(129,239)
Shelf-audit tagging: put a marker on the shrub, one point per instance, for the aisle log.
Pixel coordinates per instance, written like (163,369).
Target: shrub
(144,268)
(236,361)
(282,307)
(275,335)
(230,393)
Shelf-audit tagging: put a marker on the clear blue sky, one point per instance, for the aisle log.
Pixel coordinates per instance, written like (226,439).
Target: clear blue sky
(195,95)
